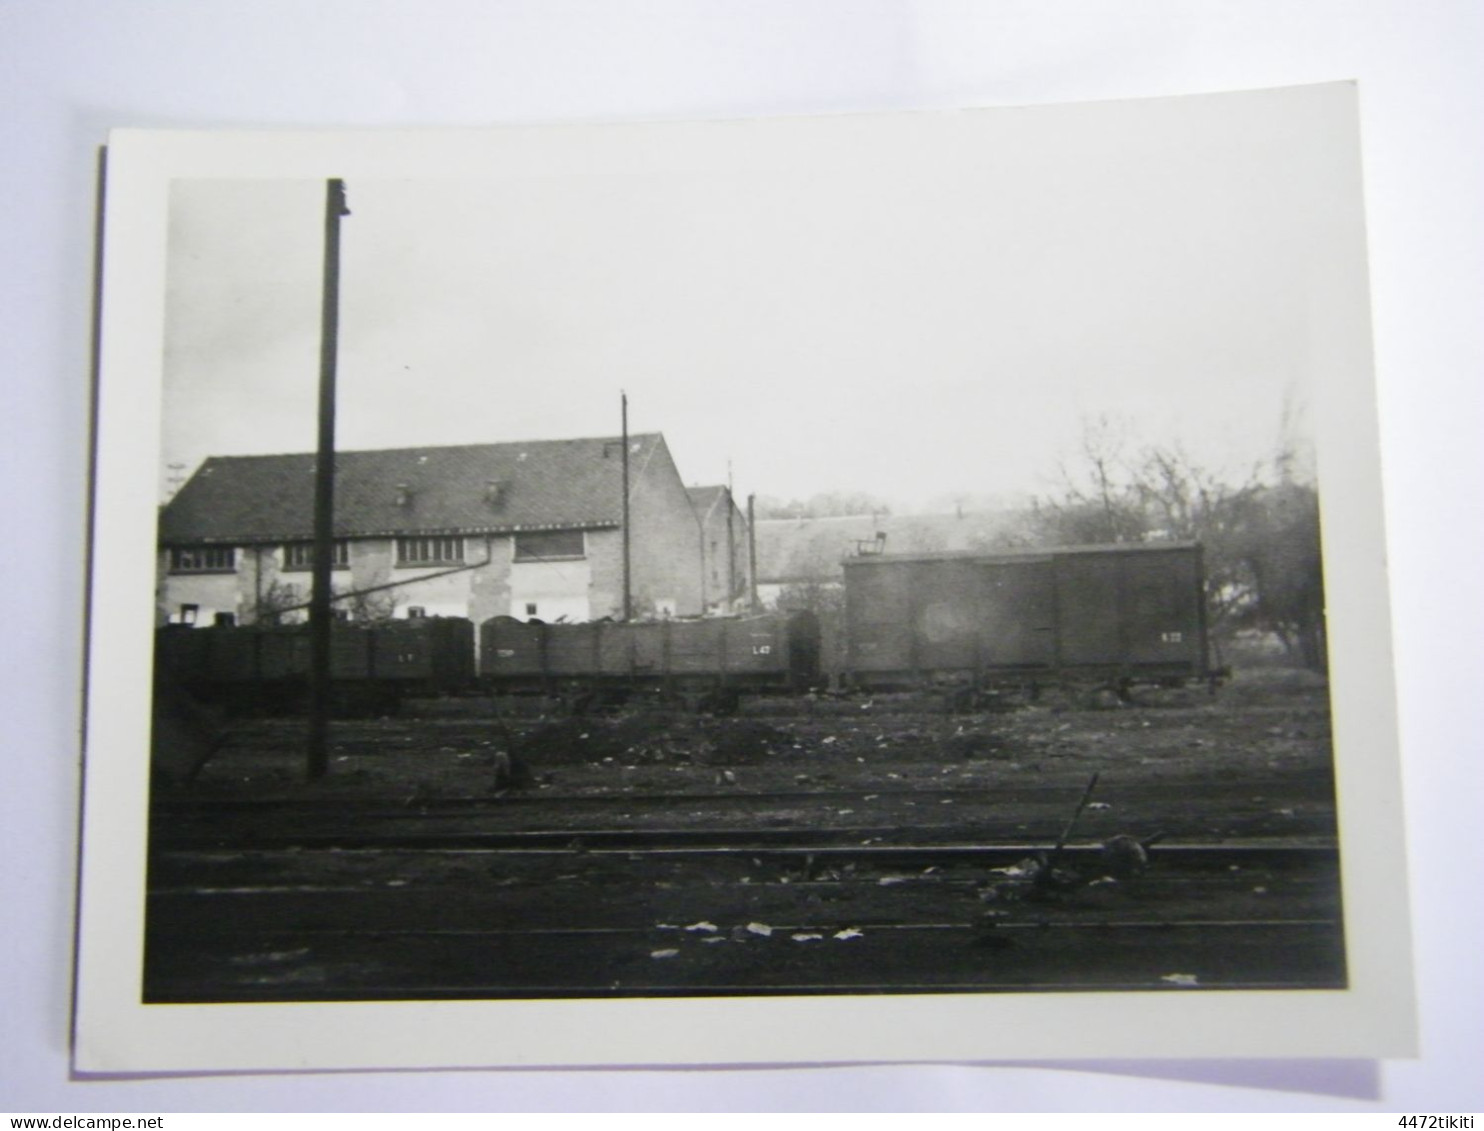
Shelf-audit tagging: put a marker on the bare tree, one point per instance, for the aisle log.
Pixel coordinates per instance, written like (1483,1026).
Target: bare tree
(276,602)
(826,600)
(369,607)
(1096,500)
(1260,532)
(1278,544)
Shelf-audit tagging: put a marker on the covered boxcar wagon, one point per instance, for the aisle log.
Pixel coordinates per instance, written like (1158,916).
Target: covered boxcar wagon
(1110,615)
(712,660)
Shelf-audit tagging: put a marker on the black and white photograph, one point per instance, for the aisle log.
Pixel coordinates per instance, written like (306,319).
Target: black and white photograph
(887,560)
(892,556)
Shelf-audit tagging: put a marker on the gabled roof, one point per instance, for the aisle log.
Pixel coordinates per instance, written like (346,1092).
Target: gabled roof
(468,489)
(704,500)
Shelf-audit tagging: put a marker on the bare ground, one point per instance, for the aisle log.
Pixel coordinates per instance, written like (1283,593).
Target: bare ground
(261,914)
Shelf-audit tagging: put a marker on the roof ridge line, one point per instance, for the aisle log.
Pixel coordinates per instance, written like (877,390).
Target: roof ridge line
(438,447)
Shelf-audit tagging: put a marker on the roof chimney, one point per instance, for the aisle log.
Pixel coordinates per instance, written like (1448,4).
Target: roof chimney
(404,494)
(494,492)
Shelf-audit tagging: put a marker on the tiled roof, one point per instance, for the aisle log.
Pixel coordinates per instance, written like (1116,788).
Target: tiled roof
(469,489)
(702,499)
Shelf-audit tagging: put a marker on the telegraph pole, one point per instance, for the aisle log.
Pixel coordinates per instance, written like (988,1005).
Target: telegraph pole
(752,552)
(731,547)
(628,597)
(324,487)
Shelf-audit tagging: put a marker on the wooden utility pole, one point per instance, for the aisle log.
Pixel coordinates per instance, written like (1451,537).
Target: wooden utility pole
(731,547)
(324,488)
(752,552)
(628,595)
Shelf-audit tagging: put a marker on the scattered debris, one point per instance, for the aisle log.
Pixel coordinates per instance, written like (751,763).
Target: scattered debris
(668,952)
(805,936)
(759,929)
(849,933)
(268,957)
(1124,856)
(1026,867)
(701,926)
(1180,979)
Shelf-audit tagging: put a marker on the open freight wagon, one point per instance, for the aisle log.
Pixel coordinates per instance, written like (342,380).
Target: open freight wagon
(266,668)
(1110,616)
(711,661)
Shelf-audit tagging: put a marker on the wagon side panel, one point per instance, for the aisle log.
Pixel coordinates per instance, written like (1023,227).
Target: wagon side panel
(947,615)
(1089,602)
(1162,611)
(509,649)
(878,619)
(1017,616)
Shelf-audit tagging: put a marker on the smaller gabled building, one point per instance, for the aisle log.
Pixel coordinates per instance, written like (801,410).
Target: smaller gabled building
(531,529)
(726,581)
(802,555)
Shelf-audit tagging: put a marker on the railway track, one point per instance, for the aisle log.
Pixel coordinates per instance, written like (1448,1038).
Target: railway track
(723,911)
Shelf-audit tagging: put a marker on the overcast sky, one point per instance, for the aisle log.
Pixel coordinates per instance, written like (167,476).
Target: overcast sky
(911,305)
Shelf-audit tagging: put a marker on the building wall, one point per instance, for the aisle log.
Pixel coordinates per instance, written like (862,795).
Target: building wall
(665,550)
(715,539)
(551,591)
(489,585)
(211,593)
(494,585)
(605,573)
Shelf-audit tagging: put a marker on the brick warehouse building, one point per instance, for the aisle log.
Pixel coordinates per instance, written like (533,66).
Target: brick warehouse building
(529,529)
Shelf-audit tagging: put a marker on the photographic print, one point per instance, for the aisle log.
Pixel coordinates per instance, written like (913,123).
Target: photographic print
(785,584)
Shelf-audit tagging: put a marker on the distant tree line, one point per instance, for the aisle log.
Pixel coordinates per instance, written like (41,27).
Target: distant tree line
(824,504)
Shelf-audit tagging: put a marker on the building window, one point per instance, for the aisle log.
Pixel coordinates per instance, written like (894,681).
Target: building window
(224,620)
(416,612)
(429,551)
(300,555)
(203,559)
(188,615)
(530,608)
(550,545)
